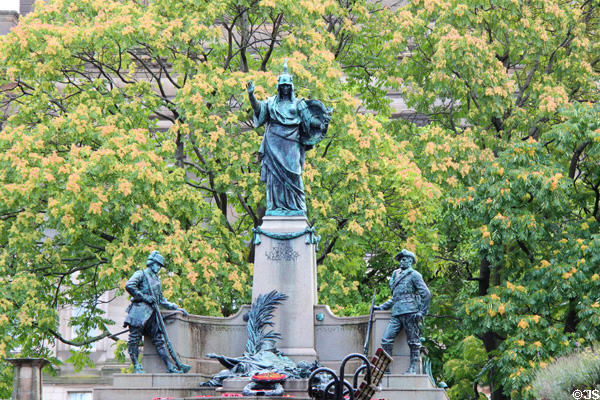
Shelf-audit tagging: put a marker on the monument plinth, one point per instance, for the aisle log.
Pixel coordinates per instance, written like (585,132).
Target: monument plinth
(27,381)
(284,289)
(285,260)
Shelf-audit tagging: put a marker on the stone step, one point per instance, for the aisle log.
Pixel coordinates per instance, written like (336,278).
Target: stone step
(387,394)
(187,386)
(395,381)
(150,393)
(236,385)
(133,393)
(246,398)
(412,394)
(158,380)
(393,387)
(401,381)
(389,381)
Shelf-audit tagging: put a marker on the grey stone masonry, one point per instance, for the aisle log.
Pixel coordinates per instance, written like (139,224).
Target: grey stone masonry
(26,6)
(27,381)
(179,387)
(8,19)
(149,386)
(290,267)
(409,387)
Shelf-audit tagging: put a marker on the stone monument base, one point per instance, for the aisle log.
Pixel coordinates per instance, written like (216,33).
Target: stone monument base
(186,387)
(390,384)
(293,387)
(409,387)
(335,337)
(285,260)
(195,336)
(150,386)
(27,381)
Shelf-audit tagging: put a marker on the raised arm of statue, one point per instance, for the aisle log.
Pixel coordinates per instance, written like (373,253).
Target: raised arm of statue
(253,102)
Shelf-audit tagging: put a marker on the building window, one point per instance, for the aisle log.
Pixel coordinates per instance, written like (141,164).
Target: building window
(78,312)
(80,396)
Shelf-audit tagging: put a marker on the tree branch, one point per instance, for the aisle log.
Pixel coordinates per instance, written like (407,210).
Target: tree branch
(107,334)
(575,158)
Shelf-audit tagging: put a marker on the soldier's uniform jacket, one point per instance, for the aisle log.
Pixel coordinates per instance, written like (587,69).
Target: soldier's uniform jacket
(139,311)
(409,293)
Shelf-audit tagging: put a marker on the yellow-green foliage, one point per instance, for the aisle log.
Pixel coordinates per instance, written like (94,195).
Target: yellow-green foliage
(498,197)
(90,184)
(461,371)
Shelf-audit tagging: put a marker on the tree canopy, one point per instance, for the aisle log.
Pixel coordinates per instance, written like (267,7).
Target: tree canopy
(512,88)
(129,129)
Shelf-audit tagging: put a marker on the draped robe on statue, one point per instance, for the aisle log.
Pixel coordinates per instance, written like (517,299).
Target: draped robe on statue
(282,153)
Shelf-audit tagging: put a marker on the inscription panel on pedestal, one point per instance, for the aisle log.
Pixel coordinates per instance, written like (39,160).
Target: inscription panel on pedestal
(282,251)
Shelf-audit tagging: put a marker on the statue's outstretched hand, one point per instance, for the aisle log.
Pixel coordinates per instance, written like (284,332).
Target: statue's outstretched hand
(377,308)
(183,311)
(250,87)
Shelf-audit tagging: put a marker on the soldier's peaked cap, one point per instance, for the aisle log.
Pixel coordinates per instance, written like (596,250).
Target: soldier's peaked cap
(155,256)
(406,253)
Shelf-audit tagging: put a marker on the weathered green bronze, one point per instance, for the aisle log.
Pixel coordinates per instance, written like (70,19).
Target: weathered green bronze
(409,304)
(143,316)
(261,354)
(292,127)
(311,236)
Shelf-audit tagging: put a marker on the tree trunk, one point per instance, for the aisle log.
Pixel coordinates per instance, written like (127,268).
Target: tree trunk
(491,341)
(244,40)
(571,320)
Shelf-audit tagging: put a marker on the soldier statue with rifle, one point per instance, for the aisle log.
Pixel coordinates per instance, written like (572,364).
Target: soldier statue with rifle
(144,318)
(409,304)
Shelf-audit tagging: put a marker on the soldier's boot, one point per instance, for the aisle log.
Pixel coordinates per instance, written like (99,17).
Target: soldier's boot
(171,368)
(414,361)
(388,348)
(134,355)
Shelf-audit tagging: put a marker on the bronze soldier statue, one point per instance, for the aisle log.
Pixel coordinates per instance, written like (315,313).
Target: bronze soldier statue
(409,304)
(142,319)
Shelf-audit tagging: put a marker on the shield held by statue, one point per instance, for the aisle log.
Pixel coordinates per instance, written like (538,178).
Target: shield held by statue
(311,135)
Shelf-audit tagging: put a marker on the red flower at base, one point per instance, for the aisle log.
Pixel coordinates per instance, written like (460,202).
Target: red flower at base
(269,377)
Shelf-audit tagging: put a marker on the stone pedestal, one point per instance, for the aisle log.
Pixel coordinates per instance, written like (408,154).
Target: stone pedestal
(401,351)
(8,19)
(195,336)
(290,267)
(27,380)
(292,387)
(151,386)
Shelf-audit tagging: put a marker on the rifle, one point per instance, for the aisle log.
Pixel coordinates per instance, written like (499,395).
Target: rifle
(183,367)
(368,338)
